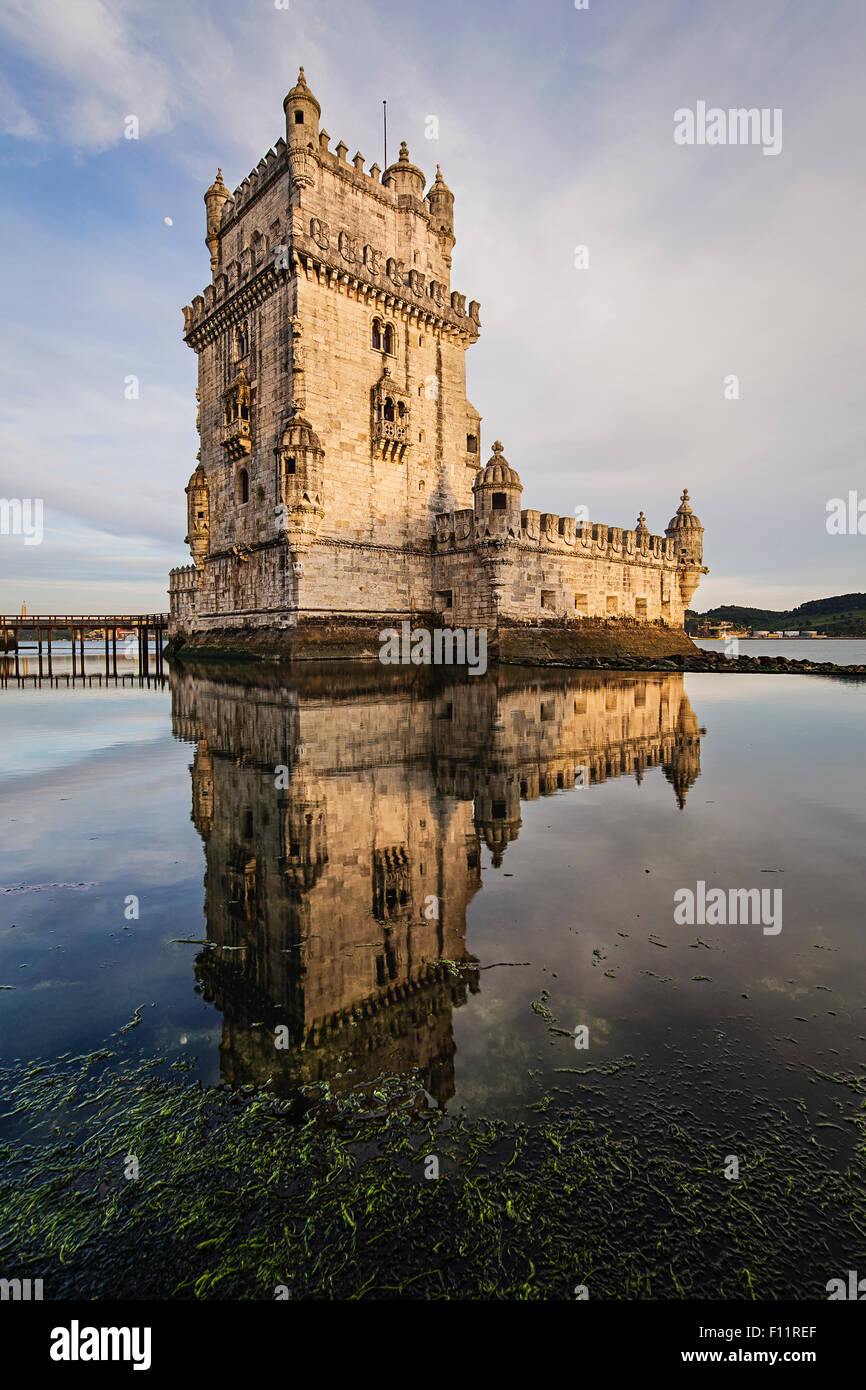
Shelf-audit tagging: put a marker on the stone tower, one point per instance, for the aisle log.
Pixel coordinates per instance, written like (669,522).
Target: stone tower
(337,485)
(332,380)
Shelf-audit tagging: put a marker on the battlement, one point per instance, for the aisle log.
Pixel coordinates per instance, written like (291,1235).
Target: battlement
(182,577)
(546,531)
(275,162)
(278,215)
(269,167)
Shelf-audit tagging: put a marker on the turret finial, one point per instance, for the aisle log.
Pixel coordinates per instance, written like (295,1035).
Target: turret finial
(497,447)
(404,152)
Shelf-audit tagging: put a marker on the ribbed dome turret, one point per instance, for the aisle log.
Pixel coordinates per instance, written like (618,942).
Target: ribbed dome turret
(299,434)
(216,200)
(685,519)
(687,535)
(497,473)
(440,201)
(218,186)
(404,177)
(301,92)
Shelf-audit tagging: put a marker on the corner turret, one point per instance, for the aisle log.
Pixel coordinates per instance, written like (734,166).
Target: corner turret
(215,200)
(299,462)
(302,131)
(198,518)
(687,534)
(440,200)
(497,490)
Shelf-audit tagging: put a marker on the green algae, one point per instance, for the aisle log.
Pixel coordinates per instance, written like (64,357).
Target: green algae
(238,1198)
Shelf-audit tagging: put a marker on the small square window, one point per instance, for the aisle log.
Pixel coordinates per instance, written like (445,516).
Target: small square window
(548,598)
(299,118)
(472,443)
(500,502)
(612,603)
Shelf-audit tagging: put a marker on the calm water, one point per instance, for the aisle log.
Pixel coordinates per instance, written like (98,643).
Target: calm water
(842,653)
(450,879)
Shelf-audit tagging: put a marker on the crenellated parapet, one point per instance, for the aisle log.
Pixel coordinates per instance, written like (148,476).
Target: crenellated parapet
(539,566)
(240,249)
(183,584)
(548,532)
(359,271)
(183,577)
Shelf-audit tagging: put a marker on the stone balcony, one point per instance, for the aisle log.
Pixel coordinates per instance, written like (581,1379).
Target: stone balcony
(391,430)
(237,439)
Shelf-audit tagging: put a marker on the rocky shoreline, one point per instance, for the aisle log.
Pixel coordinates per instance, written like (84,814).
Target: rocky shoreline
(714,662)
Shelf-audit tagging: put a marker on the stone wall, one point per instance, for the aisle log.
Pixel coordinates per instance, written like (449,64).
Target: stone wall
(339,459)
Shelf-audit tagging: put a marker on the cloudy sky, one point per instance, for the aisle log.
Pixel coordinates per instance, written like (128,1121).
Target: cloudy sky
(606,383)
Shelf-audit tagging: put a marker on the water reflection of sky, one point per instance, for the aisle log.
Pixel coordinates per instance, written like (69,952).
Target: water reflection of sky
(96,805)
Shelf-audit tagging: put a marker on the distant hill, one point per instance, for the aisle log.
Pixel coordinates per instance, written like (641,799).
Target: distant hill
(842,616)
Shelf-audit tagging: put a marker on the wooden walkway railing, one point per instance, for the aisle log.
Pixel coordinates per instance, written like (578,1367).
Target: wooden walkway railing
(46,628)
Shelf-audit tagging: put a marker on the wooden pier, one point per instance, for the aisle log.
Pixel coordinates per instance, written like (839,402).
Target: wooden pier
(46,629)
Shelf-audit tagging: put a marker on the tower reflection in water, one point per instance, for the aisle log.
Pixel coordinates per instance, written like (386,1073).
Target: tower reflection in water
(342,816)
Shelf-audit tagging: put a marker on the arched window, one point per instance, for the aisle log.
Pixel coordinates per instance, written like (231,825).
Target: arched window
(401,410)
(376,337)
(242,340)
(243,486)
(388,339)
(389,408)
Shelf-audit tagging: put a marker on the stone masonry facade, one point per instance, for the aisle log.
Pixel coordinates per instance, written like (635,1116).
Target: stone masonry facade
(338,474)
